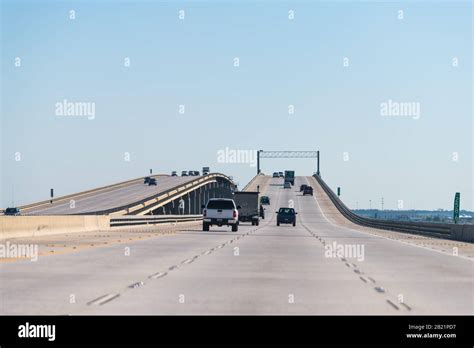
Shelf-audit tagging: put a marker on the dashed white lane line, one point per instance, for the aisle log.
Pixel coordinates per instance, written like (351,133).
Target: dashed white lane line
(136,285)
(355,268)
(103,299)
(392,304)
(109,297)
(158,275)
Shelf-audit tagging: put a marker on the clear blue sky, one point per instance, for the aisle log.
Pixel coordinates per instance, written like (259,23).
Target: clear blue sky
(282,62)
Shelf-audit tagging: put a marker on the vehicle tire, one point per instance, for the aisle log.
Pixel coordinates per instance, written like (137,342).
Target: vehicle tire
(294,223)
(278,224)
(257,223)
(205,227)
(235,228)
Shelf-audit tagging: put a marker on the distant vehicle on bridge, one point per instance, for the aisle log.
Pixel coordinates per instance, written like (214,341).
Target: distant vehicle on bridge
(146,180)
(302,187)
(308,190)
(196,173)
(13,211)
(184,173)
(280,174)
(173,173)
(286,185)
(220,212)
(152,182)
(265,200)
(290,176)
(249,206)
(205,170)
(276,175)
(286,216)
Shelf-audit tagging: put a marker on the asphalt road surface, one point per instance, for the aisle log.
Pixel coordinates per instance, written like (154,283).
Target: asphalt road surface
(257,270)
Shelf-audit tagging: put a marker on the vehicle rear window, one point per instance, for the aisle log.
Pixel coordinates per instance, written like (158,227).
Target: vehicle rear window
(220,205)
(287,211)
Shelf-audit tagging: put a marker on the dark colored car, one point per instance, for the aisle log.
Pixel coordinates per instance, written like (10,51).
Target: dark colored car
(196,173)
(12,211)
(152,182)
(302,187)
(286,216)
(146,180)
(264,200)
(173,173)
(191,173)
(184,173)
(275,175)
(308,190)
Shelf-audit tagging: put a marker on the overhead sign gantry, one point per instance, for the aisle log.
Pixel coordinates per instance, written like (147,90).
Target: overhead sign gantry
(287,154)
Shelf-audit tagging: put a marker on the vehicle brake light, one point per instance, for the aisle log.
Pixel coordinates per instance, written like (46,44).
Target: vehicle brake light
(204,212)
(235,214)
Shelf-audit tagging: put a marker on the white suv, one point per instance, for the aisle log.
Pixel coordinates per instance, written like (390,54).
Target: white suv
(220,211)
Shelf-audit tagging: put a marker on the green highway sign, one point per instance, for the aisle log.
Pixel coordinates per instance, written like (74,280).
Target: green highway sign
(457,199)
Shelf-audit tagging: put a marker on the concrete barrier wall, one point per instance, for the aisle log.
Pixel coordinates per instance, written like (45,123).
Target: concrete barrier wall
(32,226)
(260,180)
(462,233)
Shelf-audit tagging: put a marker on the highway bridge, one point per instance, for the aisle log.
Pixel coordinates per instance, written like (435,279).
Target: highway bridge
(137,198)
(128,249)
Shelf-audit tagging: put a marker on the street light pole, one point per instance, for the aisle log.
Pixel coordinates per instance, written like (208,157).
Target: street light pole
(258,161)
(317,168)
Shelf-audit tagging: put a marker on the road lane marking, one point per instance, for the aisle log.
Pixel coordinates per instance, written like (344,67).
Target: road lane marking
(392,304)
(103,299)
(109,297)
(136,285)
(406,306)
(158,275)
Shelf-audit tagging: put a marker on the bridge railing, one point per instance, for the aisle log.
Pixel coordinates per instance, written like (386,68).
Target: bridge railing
(449,231)
(152,220)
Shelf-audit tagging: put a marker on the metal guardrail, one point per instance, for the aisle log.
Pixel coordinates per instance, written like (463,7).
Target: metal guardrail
(152,220)
(450,231)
